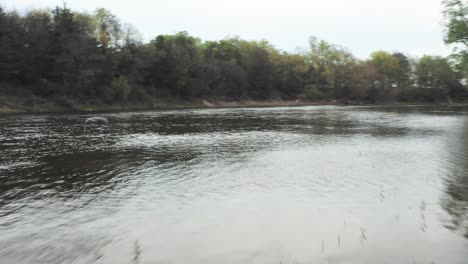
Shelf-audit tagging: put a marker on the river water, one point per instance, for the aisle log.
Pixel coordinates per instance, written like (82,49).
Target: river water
(321,184)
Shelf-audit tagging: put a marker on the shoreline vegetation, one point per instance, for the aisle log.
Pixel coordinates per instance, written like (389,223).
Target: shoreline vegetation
(16,105)
(10,104)
(59,60)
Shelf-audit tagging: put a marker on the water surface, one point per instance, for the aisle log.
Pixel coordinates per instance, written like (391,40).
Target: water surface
(260,185)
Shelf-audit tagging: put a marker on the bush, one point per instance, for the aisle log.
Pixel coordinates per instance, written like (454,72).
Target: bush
(66,103)
(409,94)
(120,88)
(312,93)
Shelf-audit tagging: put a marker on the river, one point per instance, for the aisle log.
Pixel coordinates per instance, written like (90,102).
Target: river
(318,184)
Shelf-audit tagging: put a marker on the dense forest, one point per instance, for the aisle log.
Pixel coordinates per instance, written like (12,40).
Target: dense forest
(95,58)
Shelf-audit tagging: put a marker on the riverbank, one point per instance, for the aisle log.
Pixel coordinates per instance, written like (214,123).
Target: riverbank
(10,104)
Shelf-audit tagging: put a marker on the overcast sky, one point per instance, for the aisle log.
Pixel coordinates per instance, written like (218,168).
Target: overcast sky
(410,26)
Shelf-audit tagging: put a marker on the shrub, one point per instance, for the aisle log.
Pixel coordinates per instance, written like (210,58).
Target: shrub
(120,88)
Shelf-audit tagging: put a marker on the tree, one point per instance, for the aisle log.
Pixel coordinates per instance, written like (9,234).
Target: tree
(130,36)
(120,88)
(175,64)
(291,73)
(456,15)
(97,58)
(403,74)
(456,22)
(108,30)
(325,58)
(388,68)
(260,73)
(436,76)
(11,46)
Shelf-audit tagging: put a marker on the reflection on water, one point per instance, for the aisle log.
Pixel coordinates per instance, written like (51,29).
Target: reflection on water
(309,184)
(456,181)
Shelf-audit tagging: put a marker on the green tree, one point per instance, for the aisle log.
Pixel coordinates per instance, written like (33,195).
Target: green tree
(291,74)
(404,71)
(260,73)
(388,68)
(108,29)
(175,64)
(437,78)
(456,14)
(456,34)
(326,60)
(97,58)
(120,88)
(11,46)
(355,80)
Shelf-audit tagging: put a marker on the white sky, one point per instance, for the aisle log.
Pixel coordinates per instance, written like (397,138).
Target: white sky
(413,27)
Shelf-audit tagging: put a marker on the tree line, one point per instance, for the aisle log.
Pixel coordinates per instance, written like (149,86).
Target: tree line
(97,58)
